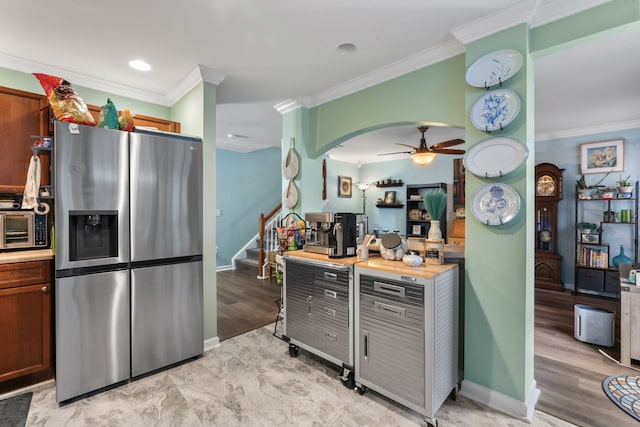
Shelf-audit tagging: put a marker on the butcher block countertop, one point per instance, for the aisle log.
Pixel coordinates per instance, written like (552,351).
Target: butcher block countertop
(376,263)
(322,257)
(426,271)
(24,256)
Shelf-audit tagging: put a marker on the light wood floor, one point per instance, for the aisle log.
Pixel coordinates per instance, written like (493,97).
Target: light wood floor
(569,372)
(245,303)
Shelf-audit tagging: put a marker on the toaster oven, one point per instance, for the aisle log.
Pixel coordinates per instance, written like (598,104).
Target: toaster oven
(23,230)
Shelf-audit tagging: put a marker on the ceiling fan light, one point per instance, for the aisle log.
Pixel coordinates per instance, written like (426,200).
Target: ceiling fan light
(423,159)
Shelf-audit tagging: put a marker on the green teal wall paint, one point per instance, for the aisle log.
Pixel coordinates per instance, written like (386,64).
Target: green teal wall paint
(606,19)
(499,285)
(565,153)
(432,94)
(196,112)
(190,111)
(295,124)
(342,204)
(209,204)
(28,83)
(247,185)
(440,170)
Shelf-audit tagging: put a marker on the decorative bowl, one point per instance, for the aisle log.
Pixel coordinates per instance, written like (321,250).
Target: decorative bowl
(412,260)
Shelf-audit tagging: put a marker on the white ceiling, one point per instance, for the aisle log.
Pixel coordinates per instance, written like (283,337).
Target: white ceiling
(264,54)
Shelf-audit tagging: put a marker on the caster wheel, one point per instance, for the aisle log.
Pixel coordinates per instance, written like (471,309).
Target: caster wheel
(361,389)
(348,382)
(293,350)
(432,423)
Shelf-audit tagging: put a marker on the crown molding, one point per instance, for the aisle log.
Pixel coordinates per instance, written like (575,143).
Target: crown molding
(591,130)
(553,10)
(420,60)
(287,106)
(496,22)
(77,79)
(198,75)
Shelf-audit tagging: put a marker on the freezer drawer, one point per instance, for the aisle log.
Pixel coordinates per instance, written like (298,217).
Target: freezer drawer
(166,315)
(92,332)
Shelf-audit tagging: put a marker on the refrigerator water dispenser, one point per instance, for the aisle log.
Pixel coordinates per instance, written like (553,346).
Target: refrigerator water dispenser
(93,234)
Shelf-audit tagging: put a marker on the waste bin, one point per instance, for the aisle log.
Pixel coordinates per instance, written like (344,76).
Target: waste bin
(594,325)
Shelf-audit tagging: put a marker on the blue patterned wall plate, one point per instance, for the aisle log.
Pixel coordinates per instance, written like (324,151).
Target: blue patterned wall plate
(495,204)
(495,157)
(494,68)
(495,109)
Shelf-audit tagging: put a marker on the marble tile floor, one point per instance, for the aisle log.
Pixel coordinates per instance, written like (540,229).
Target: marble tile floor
(250,380)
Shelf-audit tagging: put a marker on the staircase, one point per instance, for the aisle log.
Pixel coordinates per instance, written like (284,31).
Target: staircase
(251,262)
(247,260)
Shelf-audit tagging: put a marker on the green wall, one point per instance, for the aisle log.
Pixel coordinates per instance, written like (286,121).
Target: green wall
(499,284)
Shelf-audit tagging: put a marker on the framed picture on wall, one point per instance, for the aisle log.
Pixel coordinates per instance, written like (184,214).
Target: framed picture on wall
(602,157)
(344,186)
(389,198)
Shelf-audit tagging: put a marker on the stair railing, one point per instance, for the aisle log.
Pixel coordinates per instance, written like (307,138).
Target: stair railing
(268,237)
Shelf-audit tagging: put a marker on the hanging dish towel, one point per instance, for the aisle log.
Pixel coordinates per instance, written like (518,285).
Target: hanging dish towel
(30,198)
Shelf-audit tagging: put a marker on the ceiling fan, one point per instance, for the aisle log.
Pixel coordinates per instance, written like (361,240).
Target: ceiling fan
(424,154)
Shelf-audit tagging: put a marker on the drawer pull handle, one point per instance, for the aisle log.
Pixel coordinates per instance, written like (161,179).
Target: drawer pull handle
(330,276)
(389,289)
(396,311)
(409,278)
(44,289)
(330,294)
(366,345)
(330,311)
(332,337)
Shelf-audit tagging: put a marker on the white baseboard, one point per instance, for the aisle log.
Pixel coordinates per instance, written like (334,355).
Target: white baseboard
(224,267)
(522,410)
(211,343)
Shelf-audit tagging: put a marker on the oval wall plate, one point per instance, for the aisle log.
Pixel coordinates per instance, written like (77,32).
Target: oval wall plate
(495,157)
(494,68)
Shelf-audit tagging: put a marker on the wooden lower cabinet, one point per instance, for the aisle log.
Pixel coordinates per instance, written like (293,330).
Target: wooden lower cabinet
(25,321)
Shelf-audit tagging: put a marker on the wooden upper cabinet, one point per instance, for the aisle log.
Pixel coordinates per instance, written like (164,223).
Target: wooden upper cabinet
(141,120)
(22,114)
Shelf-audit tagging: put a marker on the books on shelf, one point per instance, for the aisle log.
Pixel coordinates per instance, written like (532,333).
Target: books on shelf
(594,257)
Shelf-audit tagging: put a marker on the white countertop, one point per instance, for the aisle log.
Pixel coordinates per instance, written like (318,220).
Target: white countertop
(24,256)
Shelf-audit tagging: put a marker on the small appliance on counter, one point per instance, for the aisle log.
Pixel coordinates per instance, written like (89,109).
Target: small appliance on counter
(23,229)
(332,234)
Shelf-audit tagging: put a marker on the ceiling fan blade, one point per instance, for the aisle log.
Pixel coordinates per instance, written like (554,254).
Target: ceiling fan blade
(450,143)
(447,151)
(406,145)
(397,152)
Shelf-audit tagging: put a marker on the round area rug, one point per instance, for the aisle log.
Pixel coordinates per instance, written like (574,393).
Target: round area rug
(624,391)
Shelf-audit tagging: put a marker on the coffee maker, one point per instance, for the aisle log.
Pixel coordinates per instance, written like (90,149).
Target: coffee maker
(332,234)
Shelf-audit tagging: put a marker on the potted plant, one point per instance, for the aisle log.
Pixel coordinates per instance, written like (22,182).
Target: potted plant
(585,191)
(624,185)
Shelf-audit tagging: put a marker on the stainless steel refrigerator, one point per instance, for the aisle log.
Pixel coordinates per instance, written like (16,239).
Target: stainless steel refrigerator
(128,218)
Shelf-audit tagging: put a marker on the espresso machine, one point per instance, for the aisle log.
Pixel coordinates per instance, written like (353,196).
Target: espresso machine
(332,234)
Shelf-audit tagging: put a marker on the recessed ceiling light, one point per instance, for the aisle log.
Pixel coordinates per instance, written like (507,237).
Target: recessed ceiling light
(346,48)
(140,65)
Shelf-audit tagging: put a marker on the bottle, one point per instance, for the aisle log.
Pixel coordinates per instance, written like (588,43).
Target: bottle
(620,258)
